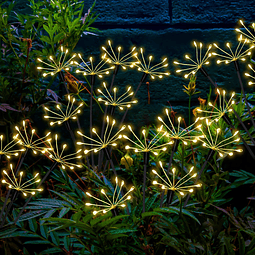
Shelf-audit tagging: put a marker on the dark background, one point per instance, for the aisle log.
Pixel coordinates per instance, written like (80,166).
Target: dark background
(166,28)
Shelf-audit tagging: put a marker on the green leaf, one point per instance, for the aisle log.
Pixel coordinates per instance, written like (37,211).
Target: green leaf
(122,231)
(45,39)
(51,251)
(38,242)
(148,214)
(63,212)
(32,224)
(176,210)
(241,244)
(111,221)
(54,238)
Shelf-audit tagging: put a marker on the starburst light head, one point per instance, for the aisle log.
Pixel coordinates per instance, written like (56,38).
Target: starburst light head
(57,154)
(117,200)
(215,139)
(16,183)
(251,82)
(185,135)
(194,65)
(55,65)
(181,185)
(218,111)
(90,69)
(28,141)
(60,116)
(238,54)
(107,140)
(152,70)
(247,34)
(115,58)
(149,143)
(112,99)
(8,149)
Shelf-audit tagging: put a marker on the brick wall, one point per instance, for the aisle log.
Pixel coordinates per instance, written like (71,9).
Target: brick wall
(167,28)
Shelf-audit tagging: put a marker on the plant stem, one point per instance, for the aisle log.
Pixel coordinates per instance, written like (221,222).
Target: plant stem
(174,149)
(62,78)
(207,159)
(236,63)
(141,82)
(228,121)
(106,152)
(9,207)
(114,212)
(101,153)
(203,71)
(189,108)
(41,182)
(9,191)
(146,161)
(92,82)
(243,125)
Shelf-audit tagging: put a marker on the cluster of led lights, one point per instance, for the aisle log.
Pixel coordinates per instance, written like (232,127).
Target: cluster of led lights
(196,64)
(107,140)
(61,116)
(152,71)
(117,199)
(180,185)
(209,139)
(56,65)
(7,149)
(116,59)
(184,135)
(16,183)
(144,146)
(113,100)
(224,107)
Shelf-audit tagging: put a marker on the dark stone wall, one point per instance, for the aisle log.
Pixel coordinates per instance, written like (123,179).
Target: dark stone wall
(166,28)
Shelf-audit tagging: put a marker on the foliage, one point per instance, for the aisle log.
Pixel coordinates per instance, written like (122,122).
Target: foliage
(57,221)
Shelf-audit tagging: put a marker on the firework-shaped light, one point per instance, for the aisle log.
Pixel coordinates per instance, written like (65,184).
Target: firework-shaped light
(181,185)
(213,141)
(144,146)
(7,149)
(113,100)
(90,69)
(177,133)
(57,155)
(228,57)
(249,35)
(110,204)
(147,68)
(197,64)
(116,59)
(107,139)
(224,107)
(56,65)
(16,183)
(61,116)
(28,142)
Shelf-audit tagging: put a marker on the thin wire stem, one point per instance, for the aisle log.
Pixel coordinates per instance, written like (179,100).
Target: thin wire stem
(41,182)
(146,161)
(9,191)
